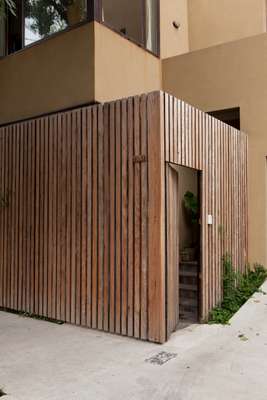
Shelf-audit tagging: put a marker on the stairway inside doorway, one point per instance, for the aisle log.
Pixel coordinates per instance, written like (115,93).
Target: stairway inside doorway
(189,291)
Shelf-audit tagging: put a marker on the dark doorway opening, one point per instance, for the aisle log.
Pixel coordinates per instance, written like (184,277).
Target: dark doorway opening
(183,246)
(189,244)
(230,116)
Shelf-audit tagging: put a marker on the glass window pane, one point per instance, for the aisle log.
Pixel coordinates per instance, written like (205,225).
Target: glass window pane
(152,28)
(125,16)
(138,20)
(2,36)
(45,17)
(14,34)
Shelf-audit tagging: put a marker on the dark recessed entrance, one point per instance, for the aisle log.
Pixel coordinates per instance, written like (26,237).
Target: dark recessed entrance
(230,116)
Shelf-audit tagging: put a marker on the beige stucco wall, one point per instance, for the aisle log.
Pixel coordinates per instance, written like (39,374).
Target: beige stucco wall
(122,68)
(212,22)
(55,74)
(225,76)
(90,63)
(173,41)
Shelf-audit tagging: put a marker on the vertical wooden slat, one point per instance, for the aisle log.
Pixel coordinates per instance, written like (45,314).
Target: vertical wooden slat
(10,219)
(166,122)
(95,221)
(124,218)
(45,221)
(137,219)
(172,256)
(85,222)
(54,172)
(144,218)
(100,302)
(16,228)
(106,270)
(156,220)
(89,215)
(68,216)
(78,260)
(73,216)
(130,247)
(112,275)
(63,218)
(32,215)
(118,183)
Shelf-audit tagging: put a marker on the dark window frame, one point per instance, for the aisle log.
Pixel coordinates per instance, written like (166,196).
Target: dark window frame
(98,18)
(94,13)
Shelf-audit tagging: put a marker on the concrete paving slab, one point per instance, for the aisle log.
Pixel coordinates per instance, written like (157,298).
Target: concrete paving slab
(45,361)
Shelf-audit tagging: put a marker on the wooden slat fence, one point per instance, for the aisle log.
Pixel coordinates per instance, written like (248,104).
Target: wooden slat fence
(196,140)
(82,236)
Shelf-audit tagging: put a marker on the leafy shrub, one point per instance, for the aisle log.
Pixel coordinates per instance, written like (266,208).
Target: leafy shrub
(237,289)
(192,206)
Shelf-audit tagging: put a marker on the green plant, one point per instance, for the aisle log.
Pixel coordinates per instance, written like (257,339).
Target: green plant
(192,206)
(7,5)
(237,289)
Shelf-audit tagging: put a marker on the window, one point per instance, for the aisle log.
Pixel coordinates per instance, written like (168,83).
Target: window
(45,17)
(137,20)
(2,36)
(37,19)
(14,30)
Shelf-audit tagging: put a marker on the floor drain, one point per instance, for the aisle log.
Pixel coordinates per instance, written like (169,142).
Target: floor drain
(161,358)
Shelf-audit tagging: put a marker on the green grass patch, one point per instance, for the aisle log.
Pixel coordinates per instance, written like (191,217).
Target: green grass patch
(237,289)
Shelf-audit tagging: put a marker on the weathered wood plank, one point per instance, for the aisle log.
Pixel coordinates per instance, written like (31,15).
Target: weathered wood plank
(156,220)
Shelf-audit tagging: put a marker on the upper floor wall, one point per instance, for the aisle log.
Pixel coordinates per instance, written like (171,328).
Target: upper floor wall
(90,62)
(188,25)
(32,21)
(54,74)
(220,21)
(87,64)
(174,28)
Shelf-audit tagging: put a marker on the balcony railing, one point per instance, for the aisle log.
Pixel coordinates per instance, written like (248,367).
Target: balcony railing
(36,20)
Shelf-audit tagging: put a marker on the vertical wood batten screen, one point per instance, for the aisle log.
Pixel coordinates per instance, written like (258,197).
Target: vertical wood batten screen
(74,236)
(82,238)
(196,140)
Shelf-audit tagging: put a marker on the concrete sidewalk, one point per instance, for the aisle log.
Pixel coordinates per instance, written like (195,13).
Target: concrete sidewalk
(44,361)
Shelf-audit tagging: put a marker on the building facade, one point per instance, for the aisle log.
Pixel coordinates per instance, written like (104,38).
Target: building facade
(59,56)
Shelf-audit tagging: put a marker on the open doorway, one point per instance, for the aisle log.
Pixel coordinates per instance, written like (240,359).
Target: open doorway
(183,245)
(189,244)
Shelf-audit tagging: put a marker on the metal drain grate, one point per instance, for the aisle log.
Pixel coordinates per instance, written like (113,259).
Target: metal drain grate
(161,358)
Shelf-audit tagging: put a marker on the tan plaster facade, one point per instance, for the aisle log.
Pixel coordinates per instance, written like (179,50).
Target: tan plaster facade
(220,21)
(52,75)
(174,41)
(122,69)
(205,23)
(88,64)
